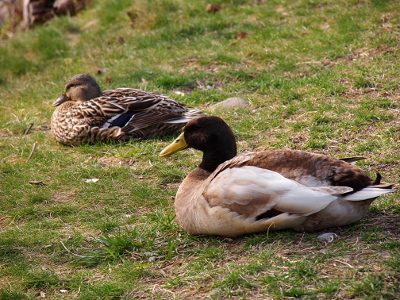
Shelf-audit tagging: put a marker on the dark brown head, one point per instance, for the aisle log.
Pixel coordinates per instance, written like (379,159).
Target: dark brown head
(81,87)
(209,134)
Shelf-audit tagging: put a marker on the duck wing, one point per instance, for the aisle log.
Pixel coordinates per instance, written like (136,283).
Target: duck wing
(108,107)
(129,113)
(243,198)
(146,109)
(312,169)
(251,191)
(163,110)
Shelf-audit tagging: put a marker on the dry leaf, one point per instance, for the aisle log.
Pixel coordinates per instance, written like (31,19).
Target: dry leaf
(213,8)
(121,40)
(132,17)
(241,35)
(37,182)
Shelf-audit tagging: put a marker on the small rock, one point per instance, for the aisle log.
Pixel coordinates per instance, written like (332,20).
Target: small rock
(151,256)
(234,102)
(327,237)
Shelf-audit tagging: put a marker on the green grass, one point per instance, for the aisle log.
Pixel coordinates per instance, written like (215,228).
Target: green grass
(321,76)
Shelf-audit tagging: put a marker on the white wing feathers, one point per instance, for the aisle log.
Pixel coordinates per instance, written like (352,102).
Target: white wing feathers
(186,117)
(249,184)
(367,193)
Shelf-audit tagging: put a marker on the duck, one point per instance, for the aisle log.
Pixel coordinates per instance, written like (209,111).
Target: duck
(85,114)
(232,195)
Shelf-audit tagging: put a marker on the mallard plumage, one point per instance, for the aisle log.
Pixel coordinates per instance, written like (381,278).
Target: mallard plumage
(87,114)
(231,195)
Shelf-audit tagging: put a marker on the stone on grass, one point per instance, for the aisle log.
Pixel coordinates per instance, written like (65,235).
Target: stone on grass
(231,103)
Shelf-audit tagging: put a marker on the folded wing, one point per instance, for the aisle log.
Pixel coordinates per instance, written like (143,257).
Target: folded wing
(251,191)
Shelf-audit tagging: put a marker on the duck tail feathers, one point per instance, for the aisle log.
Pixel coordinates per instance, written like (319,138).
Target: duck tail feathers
(370,192)
(187,116)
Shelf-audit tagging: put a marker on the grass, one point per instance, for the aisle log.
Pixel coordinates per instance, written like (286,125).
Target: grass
(320,76)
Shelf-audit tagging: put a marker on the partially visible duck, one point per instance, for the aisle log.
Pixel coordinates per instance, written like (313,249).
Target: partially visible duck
(87,114)
(231,195)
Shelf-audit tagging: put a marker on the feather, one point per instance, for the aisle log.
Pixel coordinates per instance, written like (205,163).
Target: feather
(367,193)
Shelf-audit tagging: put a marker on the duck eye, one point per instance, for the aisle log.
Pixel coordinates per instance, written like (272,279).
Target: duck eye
(70,85)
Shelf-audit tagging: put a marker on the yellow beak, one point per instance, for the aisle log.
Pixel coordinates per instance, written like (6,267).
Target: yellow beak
(177,145)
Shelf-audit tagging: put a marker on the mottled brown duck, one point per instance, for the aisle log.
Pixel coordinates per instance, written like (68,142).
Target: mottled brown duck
(231,195)
(86,114)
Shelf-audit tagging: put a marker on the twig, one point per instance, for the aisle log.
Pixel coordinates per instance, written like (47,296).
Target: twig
(345,263)
(33,150)
(28,129)
(69,250)
(65,247)
(308,62)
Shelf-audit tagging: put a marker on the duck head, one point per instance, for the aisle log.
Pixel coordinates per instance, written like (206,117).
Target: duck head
(209,134)
(81,87)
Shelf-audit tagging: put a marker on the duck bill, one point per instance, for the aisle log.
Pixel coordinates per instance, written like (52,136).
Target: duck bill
(60,100)
(177,145)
